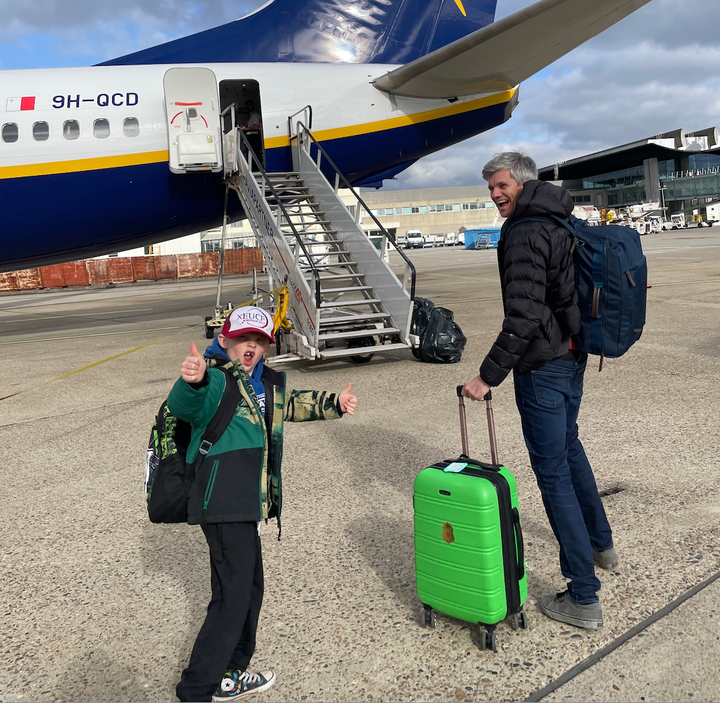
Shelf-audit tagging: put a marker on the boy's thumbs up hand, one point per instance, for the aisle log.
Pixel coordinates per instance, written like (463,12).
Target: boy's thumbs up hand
(347,401)
(193,367)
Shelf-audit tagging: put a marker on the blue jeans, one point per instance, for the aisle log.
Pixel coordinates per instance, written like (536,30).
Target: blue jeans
(548,400)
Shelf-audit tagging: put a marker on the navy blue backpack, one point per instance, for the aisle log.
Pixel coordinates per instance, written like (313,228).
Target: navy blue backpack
(611,282)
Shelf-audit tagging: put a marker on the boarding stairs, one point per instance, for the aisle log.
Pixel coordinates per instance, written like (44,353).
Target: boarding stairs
(345,300)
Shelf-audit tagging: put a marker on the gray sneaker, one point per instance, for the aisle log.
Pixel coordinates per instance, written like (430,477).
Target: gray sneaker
(607,559)
(563,608)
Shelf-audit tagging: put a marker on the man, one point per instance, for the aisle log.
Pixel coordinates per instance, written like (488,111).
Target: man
(253,130)
(537,278)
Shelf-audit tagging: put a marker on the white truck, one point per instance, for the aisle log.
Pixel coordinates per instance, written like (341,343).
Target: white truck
(451,239)
(414,239)
(434,240)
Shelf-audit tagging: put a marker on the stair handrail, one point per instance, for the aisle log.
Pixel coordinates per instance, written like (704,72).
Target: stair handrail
(298,238)
(308,109)
(340,177)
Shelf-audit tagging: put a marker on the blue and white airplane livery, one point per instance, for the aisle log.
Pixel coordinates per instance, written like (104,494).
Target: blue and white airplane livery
(87,155)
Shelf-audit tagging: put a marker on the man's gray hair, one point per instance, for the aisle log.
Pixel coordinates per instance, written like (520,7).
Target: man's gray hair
(522,167)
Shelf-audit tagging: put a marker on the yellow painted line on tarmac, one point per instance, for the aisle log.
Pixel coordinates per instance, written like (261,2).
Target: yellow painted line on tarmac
(99,334)
(13,311)
(117,356)
(104,361)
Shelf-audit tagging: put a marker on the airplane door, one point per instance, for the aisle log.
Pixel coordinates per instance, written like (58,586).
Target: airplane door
(193,114)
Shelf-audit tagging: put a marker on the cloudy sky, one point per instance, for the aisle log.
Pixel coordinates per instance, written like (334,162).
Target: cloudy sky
(653,72)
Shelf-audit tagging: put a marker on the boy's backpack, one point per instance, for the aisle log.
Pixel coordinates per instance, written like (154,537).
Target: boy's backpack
(168,476)
(611,282)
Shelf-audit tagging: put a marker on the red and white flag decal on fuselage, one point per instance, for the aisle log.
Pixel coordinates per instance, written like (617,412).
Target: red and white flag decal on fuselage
(17,104)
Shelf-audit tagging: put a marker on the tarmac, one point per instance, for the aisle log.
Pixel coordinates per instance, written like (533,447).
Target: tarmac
(102,605)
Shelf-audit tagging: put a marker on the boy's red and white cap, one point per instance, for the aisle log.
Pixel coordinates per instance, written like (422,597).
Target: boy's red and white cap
(249,319)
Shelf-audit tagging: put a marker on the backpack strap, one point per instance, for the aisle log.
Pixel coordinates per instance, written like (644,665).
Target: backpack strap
(217,425)
(224,413)
(220,420)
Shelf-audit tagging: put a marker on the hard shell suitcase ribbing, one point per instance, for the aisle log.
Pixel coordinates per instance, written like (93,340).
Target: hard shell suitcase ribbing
(469,556)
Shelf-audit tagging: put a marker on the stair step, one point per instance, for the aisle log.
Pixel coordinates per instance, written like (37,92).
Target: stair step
(345,290)
(343,320)
(330,353)
(350,334)
(337,277)
(320,255)
(305,269)
(350,303)
(323,232)
(297,220)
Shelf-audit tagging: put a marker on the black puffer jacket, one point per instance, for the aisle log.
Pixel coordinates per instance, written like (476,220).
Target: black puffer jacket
(538,285)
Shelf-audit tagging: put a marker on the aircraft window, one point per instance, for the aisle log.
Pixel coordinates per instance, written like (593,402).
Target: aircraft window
(71,129)
(101,129)
(10,132)
(41,131)
(131,127)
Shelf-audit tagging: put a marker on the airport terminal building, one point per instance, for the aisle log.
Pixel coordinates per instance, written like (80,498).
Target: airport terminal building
(679,171)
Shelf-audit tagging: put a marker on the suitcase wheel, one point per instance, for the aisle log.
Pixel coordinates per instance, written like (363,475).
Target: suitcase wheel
(427,617)
(519,620)
(488,640)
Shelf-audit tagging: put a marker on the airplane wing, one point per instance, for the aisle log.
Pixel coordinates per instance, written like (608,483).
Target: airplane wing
(505,53)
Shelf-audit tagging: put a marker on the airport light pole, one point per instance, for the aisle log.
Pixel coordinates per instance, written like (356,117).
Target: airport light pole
(662,199)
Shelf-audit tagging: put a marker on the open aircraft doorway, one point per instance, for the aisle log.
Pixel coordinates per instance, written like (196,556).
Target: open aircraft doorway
(245,95)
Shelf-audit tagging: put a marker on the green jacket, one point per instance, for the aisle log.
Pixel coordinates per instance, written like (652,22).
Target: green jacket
(239,480)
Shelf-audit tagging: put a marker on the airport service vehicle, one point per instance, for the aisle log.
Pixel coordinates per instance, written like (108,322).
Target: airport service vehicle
(434,240)
(676,221)
(488,240)
(414,239)
(451,239)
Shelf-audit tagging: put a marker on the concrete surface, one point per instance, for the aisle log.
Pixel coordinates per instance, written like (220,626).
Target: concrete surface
(102,605)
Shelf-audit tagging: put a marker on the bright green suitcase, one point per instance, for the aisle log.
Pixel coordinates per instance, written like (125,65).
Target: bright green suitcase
(469,556)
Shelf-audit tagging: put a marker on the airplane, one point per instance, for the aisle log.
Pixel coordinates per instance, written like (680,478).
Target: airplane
(87,161)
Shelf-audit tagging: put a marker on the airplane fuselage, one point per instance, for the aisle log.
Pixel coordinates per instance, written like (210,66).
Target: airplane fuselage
(84,153)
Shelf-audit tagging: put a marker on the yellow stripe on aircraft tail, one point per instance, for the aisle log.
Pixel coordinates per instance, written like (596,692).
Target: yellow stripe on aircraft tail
(93,164)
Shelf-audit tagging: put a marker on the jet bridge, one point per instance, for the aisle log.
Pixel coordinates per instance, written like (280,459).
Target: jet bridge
(344,299)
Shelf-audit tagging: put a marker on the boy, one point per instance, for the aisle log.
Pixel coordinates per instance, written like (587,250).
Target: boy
(237,485)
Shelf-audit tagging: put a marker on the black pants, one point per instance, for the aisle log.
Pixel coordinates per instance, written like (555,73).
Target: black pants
(226,639)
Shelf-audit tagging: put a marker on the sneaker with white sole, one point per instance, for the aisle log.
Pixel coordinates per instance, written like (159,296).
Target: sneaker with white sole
(607,559)
(238,684)
(563,608)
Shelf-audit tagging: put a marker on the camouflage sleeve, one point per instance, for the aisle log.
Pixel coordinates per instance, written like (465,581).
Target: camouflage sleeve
(301,406)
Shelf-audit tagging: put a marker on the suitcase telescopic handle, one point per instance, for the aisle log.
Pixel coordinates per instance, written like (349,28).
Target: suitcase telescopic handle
(520,544)
(491,425)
